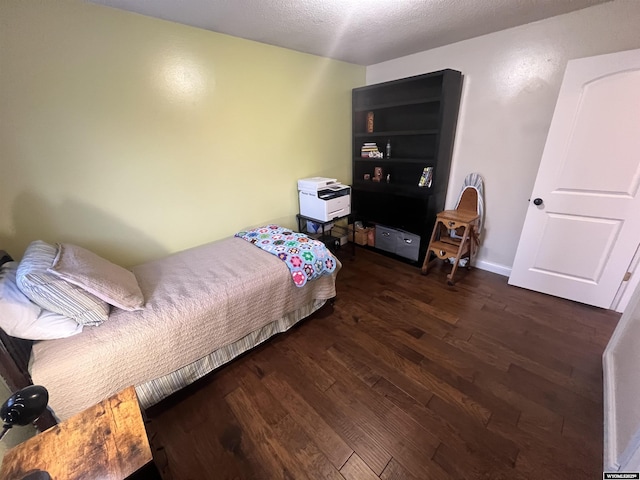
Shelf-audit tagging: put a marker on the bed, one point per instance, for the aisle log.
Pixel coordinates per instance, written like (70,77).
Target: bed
(203,307)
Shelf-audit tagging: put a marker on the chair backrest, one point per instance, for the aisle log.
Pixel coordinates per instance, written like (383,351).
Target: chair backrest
(472,198)
(468,200)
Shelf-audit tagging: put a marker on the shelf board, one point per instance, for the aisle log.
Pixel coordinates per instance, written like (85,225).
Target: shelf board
(397,133)
(426,161)
(393,188)
(381,106)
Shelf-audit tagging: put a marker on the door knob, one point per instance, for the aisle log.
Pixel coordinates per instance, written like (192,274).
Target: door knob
(537,201)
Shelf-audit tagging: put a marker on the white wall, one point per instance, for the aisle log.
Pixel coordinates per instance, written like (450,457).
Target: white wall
(511,83)
(621,391)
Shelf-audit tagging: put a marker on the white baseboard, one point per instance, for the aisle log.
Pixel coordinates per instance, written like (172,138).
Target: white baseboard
(493,267)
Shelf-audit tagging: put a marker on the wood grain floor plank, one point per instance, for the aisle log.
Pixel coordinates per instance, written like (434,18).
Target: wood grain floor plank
(391,307)
(275,459)
(489,335)
(394,420)
(465,444)
(471,468)
(460,365)
(356,469)
(502,447)
(347,351)
(327,439)
(420,303)
(576,428)
(484,353)
(270,408)
(384,358)
(499,384)
(399,333)
(395,471)
(320,378)
(367,446)
(374,430)
(403,447)
(542,451)
(554,397)
(363,372)
(304,451)
(480,345)
(222,445)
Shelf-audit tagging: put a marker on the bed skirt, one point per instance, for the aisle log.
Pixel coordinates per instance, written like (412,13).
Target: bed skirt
(154,391)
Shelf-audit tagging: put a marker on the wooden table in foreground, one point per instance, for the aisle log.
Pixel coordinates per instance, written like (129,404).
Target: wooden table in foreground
(105,442)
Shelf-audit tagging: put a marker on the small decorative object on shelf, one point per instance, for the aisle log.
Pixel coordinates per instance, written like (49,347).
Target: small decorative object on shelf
(388,178)
(378,173)
(426,178)
(367,176)
(370,122)
(389,148)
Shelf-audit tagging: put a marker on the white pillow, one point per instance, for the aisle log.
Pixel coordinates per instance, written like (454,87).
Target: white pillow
(20,317)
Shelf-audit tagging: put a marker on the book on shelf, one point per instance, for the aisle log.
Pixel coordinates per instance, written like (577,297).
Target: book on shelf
(369,147)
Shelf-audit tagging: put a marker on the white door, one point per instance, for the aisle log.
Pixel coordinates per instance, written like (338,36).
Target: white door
(583,224)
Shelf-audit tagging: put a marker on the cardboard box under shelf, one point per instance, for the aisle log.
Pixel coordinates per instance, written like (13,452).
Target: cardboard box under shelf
(361,235)
(340,230)
(342,237)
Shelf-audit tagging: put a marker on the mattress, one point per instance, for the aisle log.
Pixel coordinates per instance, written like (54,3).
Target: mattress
(197,302)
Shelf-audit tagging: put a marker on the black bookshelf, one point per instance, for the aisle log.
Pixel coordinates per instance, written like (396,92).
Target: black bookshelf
(418,116)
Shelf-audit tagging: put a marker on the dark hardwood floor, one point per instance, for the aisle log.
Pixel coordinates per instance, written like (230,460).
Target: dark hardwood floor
(405,378)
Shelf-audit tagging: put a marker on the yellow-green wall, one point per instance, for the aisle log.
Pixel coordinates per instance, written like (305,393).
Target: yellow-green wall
(137,137)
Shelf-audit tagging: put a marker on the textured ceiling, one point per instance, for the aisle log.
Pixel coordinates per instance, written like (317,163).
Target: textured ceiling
(356,31)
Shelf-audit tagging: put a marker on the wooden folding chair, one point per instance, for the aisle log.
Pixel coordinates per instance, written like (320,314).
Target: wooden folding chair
(455,234)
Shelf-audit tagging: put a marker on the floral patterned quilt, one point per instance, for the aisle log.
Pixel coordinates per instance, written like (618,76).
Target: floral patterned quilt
(306,258)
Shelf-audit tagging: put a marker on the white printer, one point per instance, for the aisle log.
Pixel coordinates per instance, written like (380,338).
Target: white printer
(324,198)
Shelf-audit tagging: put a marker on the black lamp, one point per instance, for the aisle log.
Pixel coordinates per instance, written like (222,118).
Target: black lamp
(23,407)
